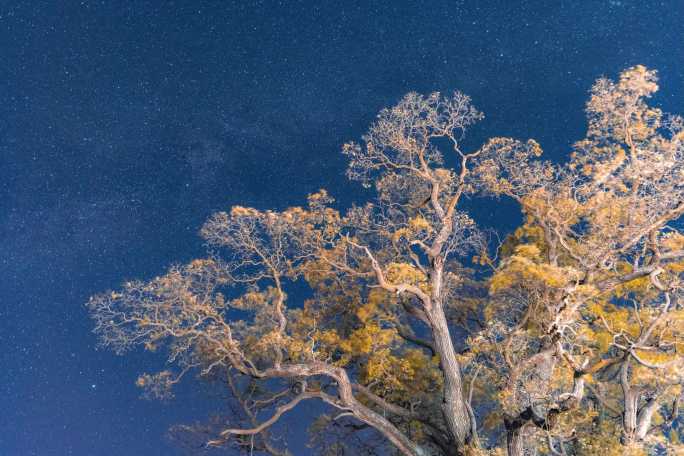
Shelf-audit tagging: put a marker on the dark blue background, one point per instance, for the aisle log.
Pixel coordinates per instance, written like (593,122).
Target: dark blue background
(123,125)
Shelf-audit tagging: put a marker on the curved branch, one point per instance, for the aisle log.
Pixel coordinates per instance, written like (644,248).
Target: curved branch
(273,419)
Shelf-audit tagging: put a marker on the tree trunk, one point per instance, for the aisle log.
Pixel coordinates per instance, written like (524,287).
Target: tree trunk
(514,441)
(454,405)
(629,417)
(636,422)
(645,417)
(631,399)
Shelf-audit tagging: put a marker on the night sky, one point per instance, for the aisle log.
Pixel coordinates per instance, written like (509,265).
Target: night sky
(124,125)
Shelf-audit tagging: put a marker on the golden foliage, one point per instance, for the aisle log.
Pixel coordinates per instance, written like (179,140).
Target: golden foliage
(524,266)
(584,295)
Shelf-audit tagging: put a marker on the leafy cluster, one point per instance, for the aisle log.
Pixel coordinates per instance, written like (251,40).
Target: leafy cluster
(565,338)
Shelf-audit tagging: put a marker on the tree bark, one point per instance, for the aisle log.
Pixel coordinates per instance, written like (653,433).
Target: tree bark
(454,406)
(370,417)
(514,441)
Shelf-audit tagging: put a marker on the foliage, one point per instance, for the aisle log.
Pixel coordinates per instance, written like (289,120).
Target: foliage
(564,339)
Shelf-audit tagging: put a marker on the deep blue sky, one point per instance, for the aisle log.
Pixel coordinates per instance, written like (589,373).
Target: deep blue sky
(123,125)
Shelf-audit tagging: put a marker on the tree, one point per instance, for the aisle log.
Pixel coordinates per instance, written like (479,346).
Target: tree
(565,338)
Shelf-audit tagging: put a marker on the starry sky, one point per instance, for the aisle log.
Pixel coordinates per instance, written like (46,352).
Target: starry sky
(124,125)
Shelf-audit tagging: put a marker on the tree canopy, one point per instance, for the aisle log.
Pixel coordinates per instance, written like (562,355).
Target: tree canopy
(423,333)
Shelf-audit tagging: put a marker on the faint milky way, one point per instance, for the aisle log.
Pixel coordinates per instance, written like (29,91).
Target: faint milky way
(123,125)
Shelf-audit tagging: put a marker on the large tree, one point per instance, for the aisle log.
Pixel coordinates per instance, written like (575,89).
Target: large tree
(421,334)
